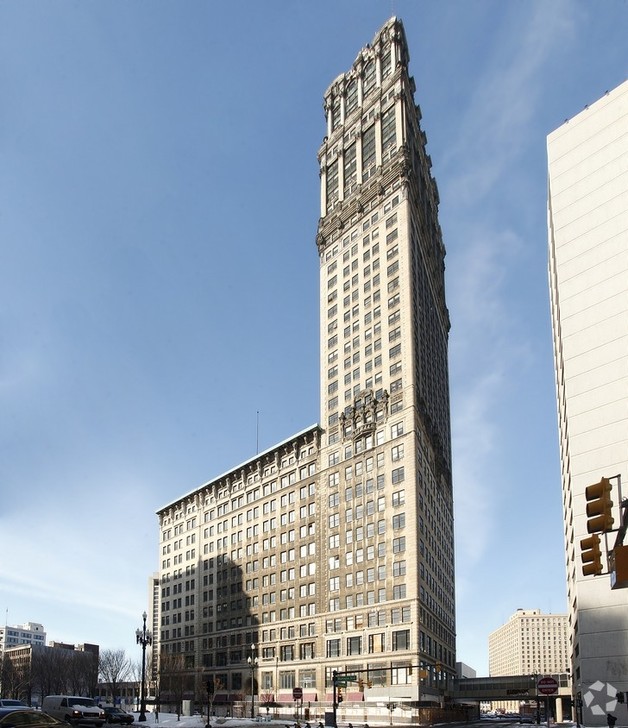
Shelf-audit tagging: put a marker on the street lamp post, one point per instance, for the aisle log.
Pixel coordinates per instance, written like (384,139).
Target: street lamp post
(143,637)
(252,660)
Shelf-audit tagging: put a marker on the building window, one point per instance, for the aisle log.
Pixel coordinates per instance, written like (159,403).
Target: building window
(396,430)
(401,675)
(386,63)
(369,81)
(350,167)
(368,152)
(332,648)
(332,183)
(399,521)
(389,137)
(377,643)
(351,102)
(354,645)
(399,545)
(287,653)
(398,475)
(399,568)
(399,591)
(401,640)
(335,112)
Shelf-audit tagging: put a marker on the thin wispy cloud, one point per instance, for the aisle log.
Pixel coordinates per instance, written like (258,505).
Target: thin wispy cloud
(494,127)
(485,171)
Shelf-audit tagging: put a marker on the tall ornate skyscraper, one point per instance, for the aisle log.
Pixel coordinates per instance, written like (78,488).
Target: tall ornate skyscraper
(334,550)
(386,454)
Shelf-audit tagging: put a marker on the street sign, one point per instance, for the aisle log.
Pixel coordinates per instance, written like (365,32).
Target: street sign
(346,678)
(547,686)
(297,693)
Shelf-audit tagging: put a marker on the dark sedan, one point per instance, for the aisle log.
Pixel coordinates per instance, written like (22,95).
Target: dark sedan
(21,717)
(117,715)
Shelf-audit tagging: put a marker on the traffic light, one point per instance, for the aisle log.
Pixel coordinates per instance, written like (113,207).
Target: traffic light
(361,685)
(599,505)
(339,697)
(591,556)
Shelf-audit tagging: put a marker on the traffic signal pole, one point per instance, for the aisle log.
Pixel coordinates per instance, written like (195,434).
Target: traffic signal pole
(599,510)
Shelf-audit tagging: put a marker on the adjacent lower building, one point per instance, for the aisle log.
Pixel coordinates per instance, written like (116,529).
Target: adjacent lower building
(31,671)
(588,275)
(334,549)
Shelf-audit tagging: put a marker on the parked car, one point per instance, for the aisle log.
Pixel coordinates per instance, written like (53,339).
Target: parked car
(73,709)
(19,716)
(117,715)
(10,703)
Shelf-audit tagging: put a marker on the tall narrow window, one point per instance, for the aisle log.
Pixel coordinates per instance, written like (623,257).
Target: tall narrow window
(335,112)
(332,183)
(351,102)
(386,63)
(350,168)
(368,153)
(369,78)
(389,136)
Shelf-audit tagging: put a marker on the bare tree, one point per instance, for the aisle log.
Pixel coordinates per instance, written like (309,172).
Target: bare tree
(80,673)
(50,671)
(135,676)
(16,680)
(113,668)
(215,684)
(267,700)
(172,679)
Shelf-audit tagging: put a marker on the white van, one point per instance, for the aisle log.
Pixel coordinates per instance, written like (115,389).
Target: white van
(73,709)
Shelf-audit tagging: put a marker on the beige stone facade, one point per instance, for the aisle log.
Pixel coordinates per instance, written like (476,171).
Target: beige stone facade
(334,549)
(530,643)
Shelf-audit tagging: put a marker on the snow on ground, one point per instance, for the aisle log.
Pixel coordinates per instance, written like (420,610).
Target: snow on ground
(170,720)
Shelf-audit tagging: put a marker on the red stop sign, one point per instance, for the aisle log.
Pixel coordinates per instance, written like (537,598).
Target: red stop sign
(547,686)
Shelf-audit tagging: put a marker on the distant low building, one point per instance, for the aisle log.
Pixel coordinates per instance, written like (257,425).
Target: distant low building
(464,671)
(530,643)
(127,694)
(31,671)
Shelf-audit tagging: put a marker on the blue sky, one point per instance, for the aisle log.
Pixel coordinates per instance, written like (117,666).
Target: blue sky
(159,274)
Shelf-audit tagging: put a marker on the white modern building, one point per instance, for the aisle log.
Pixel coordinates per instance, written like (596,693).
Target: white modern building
(588,275)
(30,633)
